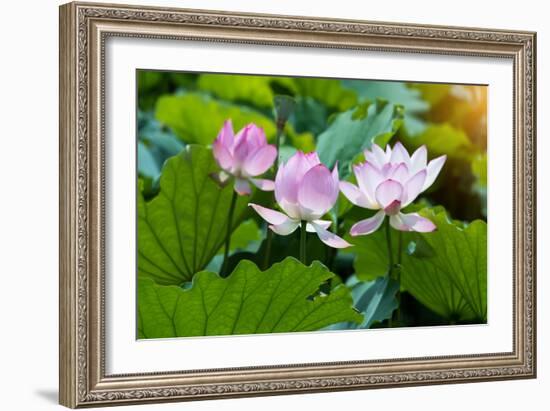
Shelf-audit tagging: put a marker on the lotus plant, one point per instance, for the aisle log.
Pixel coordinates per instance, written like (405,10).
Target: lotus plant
(244,156)
(388,181)
(305,190)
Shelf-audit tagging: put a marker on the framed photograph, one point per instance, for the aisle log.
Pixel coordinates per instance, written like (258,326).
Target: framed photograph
(257,204)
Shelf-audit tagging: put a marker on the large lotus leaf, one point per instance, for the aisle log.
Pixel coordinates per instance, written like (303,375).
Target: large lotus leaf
(445,270)
(182,228)
(284,298)
(355,130)
(330,92)
(393,91)
(459,257)
(371,255)
(432,93)
(442,139)
(161,141)
(260,90)
(247,234)
(155,145)
(147,163)
(255,90)
(151,84)
(374,299)
(479,170)
(309,115)
(301,141)
(197,118)
(371,251)
(397,93)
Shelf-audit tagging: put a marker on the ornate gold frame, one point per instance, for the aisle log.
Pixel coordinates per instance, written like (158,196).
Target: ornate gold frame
(83,30)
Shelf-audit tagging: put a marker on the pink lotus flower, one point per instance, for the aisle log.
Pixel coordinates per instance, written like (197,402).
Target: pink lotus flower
(244,156)
(305,190)
(389,181)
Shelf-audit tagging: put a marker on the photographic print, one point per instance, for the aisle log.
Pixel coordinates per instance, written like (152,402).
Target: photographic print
(271,204)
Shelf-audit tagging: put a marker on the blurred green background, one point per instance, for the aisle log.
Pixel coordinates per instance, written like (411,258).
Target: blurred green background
(175,109)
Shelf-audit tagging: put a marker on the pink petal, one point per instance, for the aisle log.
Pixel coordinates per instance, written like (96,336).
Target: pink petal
(368,178)
(419,159)
(317,192)
(299,164)
(412,222)
(281,184)
(386,170)
(376,156)
(286,228)
(334,174)
(242,187)
(262,184)
(290,175)
(255,137)
(413,187)
(387,192)
(400,173)
(269,215)
(399,154)
(259,161)
(370,225)
(240,147)
(222,155)
(434,167)
(322,223)
(312,159)
(330,239)
(393,208)
(353,194)
(225,136)
(293,210)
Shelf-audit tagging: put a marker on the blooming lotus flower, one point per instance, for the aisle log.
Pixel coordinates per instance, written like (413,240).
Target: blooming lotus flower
(389,181)
(305,190)
(244,156)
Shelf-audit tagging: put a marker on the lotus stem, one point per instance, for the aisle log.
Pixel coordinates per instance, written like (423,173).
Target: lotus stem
(223,271)
(267,254)
(390,260)
(390,250)
(280,131)
(398,274)
(269,239)
(303,234)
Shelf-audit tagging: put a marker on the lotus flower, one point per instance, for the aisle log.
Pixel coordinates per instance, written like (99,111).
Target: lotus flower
(389,181)
(305,190)
(244,156)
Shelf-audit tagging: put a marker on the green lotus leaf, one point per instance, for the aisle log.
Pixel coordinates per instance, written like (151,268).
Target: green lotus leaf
(197,118)
(479,170)
(355,130)
(442,139)
(397,93)
(445,270)
(255,90)
(285,298)
(147,163)
(183,227)
(309,116)
(330,92)
(374,299)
